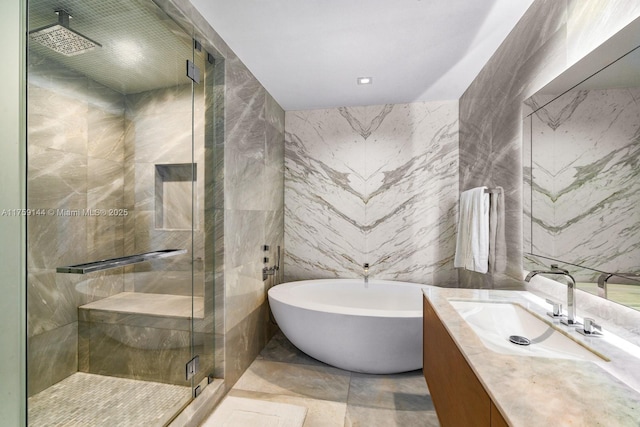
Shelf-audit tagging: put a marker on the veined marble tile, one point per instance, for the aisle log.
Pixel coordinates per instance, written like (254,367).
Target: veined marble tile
(244,179)
(245,291)
(390,400)
(491,118)
(56,241)
(411,192)
(52,357)
(318,382)
(56,121)
(154,103)
(274,227)
(139,353)
(99,285)
(56,179)
(105,184)
(244,110)
(243,341)
(589,23)
(371,184)
(53,300)
(549,37)
(106,134)
(163,281)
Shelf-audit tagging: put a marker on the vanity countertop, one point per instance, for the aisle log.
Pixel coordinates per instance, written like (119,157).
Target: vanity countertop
(537,391)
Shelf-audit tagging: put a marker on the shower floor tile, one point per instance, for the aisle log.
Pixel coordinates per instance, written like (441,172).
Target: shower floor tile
(95,400)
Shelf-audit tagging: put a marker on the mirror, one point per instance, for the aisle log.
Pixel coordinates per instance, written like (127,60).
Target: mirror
(581,148)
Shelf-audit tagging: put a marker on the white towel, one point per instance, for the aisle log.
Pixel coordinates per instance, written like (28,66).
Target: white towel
(497,241)
(472,245)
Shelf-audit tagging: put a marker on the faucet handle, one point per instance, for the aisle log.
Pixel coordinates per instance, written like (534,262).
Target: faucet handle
(590,328)
(557,309)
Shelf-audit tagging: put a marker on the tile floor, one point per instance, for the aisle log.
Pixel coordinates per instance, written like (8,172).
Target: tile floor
(82,400)
(334,397)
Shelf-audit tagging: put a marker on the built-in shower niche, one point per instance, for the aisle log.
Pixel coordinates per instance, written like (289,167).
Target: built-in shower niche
(174,189)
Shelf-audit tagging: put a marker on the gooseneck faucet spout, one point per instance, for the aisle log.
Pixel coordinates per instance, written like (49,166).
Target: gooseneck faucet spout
(571,291)
(366,272)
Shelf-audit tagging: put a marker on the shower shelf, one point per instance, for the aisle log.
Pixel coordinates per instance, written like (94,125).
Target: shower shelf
(90,267)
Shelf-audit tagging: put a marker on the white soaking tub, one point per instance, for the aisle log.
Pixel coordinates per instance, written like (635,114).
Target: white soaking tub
(371,328)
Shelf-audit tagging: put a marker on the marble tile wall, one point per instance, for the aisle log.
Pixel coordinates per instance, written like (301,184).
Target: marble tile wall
(585,188)
(375,184)
(551,36)
(253,213)
(76,161)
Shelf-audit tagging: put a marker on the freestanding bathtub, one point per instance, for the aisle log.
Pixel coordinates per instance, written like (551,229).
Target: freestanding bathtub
(372,328)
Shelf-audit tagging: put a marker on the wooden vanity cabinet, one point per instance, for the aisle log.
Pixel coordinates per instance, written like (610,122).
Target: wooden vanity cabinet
(457,394)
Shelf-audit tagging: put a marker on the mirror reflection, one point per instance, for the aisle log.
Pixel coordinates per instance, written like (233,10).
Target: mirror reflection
(582,181)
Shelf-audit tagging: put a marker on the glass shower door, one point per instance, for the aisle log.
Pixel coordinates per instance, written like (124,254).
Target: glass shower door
(115,197)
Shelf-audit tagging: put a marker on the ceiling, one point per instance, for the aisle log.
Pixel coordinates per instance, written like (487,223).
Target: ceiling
(140,49)
(308,54)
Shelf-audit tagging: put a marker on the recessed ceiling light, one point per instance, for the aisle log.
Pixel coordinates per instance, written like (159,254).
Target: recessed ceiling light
(365,80)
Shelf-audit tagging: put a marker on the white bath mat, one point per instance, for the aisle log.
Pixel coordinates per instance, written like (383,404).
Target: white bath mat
(243,412)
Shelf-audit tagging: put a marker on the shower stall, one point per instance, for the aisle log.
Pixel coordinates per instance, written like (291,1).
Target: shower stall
(124,112)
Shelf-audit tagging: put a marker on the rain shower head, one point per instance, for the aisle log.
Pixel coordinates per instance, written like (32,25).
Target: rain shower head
(62,39)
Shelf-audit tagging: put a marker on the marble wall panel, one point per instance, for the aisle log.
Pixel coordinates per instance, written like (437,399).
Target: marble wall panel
(52,357)
(490,119)
(57,179)
(245,341)
(67,131)
(589,23)
(411,169)
(371,184)
(244,288)
(106,134)
(324,195)
(152,138)
(274,157)
(53,300)
(245,147)
(105,234)
(142,353)
(253,183)
(100,285)
(548,39)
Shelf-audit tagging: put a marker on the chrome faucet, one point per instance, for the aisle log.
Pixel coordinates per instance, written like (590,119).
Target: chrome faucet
(571,291)
(366,272)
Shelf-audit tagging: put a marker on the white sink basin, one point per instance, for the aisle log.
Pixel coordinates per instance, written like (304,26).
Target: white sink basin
(496,322)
